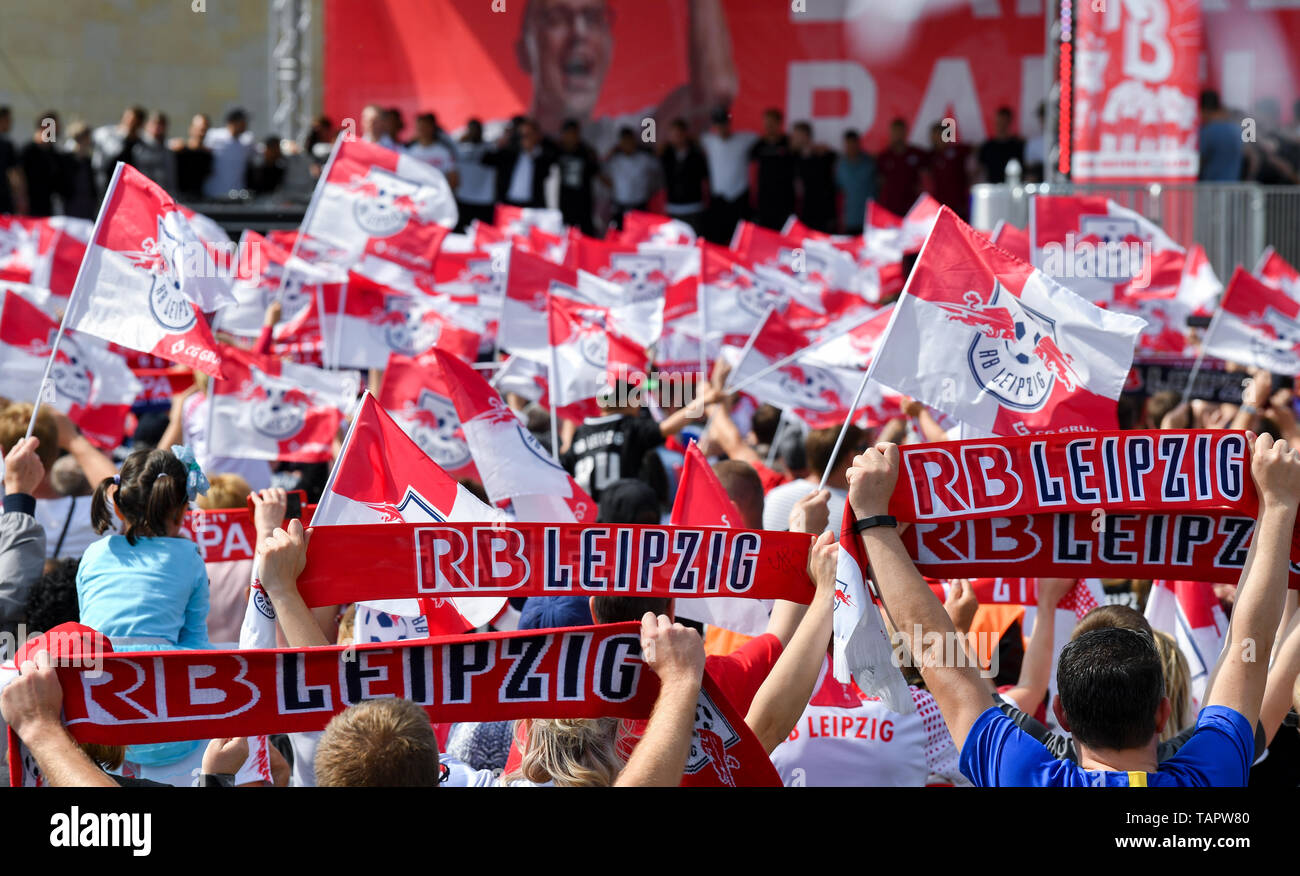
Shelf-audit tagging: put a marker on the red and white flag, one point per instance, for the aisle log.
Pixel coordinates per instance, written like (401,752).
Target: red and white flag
(701,500)
(370,321)
(382,476)
(1190,612)
(916,225)
(1100,250)
(147,278)
(1014,240)
(654,228)
(517,220)
(274,410)
(862,650)
(20,241)
(266,273)
(1257,325)
(88,382)
(513,466)
(588,355)
(386,210)
(987,339)
(1275,271)
(417,396)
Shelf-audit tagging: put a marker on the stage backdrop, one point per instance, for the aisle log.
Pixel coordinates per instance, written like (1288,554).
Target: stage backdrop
(838,63)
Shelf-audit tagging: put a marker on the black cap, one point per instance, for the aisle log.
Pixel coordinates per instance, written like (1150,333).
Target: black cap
(628,501)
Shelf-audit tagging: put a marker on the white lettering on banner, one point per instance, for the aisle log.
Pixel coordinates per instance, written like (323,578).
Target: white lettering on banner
(951,85)
(806,78)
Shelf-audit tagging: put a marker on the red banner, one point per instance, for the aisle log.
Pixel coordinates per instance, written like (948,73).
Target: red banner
(227,534)
(1135,91)
(365,562)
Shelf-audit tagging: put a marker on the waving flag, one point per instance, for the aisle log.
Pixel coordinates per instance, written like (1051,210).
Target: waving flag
(382,476)
(732,297)
(641,227)
(384,209)
(90,384)
(513,465)
(701,500)
(1275,271)
(852,342)
(417,396)
(1257,325)
(1190,612)
(1014,240)
(274,410)
(370,321)
(587,354)
(1100,250)
(266,273)
(517,220)
(147,277)
(987,339)
(20,238)
(916,225)
(862,650)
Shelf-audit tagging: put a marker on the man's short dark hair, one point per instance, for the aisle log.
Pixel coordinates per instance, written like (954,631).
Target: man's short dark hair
(1210,100)
(570,125)
(852,134)
(898,123)
(1111,682)
(773,113)
(1006,111)
(680,124)
(765,423)
(804,127)
(236,115)
(617,609)
(820,443)
(5,112)
(626,132)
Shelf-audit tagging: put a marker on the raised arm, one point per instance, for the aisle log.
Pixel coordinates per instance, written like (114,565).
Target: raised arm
(31,704)
(676,654)
(94,463)
(1243,672)
(785,692)
(1279,692)
(958,690)
(282,557)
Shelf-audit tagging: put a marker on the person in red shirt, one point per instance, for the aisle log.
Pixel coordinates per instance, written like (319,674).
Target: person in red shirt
(947,175)
(899,169)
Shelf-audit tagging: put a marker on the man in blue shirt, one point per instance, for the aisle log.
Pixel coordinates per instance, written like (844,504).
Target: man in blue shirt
(1221,143)
(1112,695)
(855,176)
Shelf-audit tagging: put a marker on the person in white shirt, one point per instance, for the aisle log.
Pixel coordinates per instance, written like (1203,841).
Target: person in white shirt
(113,141)
(477,182)
(432,150)
(632,175)
(231,148)
(818,447)
(727,154)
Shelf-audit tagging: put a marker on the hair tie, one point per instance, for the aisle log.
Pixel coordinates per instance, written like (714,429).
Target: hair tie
(196,482)
(117,480)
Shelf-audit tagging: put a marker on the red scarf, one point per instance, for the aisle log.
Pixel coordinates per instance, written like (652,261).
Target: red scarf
(581,672)
(366,562)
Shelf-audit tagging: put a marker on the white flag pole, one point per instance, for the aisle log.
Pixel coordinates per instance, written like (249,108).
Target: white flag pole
(835,452)
(753,336)
(302,231)
(72,298)
(1200,356)
(552,375)
(502,365)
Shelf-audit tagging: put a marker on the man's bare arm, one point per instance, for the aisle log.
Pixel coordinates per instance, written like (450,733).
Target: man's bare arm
(676,654)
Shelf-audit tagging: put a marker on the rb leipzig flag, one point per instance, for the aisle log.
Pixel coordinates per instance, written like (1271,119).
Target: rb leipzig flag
(382,476)
(587,353)
(417,396)
(513,465)
(983,337)
(147,278)
(89,383)
(701,500)
(1257,325)
(274,410)
(384,209)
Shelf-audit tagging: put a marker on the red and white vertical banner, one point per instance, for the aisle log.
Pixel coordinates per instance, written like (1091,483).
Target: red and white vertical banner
(1135,90)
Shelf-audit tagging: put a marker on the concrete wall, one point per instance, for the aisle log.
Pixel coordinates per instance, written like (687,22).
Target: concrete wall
(89,59)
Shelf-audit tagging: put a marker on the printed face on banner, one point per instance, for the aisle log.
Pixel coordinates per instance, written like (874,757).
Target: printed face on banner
(159,257)
(1014,357)
(643,276)
(435,423)
(713,736)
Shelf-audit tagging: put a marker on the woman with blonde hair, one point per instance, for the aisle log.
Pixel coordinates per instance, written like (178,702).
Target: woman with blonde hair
(569,753)
(1178,686)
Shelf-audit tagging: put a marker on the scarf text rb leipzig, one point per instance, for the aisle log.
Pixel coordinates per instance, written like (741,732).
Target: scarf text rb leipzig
(1034,356)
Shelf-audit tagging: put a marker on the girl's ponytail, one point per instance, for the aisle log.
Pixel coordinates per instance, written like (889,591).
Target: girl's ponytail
(101,516)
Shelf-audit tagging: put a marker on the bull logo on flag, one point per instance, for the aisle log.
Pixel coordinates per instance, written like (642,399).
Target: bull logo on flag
(713,736)
(485,282)
(387,202)
(160,257)
(69,374)
(808,388)
(293,297)
(434,425)
(641,275)
(406,332)
(1114,234)
(277,411)
(1014,356)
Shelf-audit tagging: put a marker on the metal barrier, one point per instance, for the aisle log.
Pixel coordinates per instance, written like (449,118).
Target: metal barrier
(1234,222)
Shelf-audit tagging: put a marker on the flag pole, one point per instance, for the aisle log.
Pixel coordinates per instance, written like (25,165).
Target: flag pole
(1200,356)
(72,299)
(501,369)
(753,336)
(302,230)
(835,452)
(551,374)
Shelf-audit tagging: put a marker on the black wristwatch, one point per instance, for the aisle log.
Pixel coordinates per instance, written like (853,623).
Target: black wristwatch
(878,520)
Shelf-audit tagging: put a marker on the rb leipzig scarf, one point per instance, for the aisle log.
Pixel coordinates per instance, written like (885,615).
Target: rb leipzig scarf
(1105,504)
(366,562)
(579,672)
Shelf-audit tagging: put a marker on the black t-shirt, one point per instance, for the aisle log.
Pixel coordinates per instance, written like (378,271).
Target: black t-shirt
(995,154)
(192,168)
(775,174)
(816,174)
(684,175)
(8,159)
(43,171)
(577,170)
(606,449)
